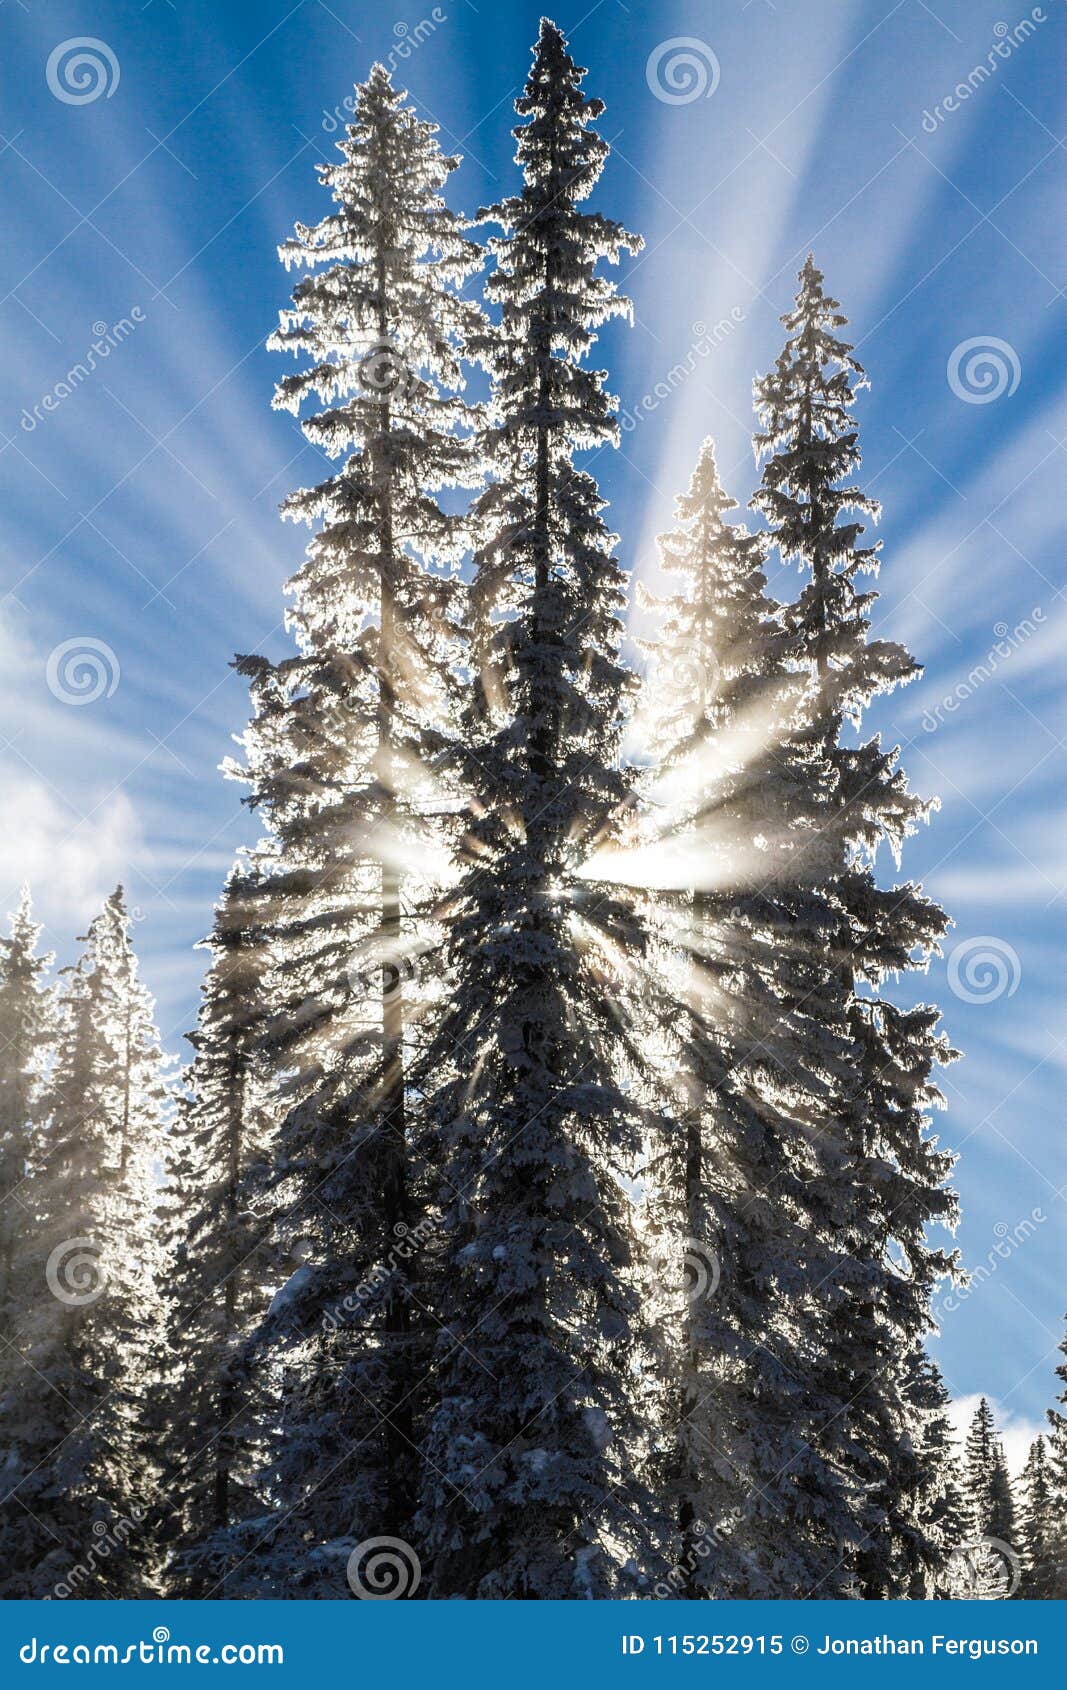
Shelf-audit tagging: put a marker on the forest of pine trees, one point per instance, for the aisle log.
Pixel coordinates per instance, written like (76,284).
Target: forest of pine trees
(550,1206)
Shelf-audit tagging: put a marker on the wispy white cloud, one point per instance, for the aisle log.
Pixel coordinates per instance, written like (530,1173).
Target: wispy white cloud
(70,864)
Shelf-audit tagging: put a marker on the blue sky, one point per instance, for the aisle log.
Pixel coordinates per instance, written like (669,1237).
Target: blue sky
(139,507)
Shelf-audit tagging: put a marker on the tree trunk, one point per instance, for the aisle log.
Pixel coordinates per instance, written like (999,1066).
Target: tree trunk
(399,1425)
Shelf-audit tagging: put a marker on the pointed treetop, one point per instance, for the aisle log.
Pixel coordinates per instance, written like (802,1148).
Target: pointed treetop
(21,919)
(551,46)
(554,79)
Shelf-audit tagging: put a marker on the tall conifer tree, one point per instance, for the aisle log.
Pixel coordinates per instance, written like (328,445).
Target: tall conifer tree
(887,1177)
(1040,1525)
(217,1275)
(533,1464)
(737,790)
(938,1500)
(1056,1441)
(80,1465)
(26,1025)
(335,761)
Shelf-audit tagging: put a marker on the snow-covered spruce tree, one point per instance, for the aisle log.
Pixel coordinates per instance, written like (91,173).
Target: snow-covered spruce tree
(216,1274)
(1040,1525)
(334,760)
(79,1458)
(532,1477)
(26,1026)
(939,1500)
(1056,1440)
(737,807)
(985,1571)
(886,1174)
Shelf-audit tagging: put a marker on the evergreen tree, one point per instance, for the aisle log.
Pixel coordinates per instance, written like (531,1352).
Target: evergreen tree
(216,1276)
(79,1465)
(740,808)
(988,1565)
(1056,1442)
(939,1502)
(26,1025)
(886,1182)
(1039,1525)
(533,1471)
(983,1485)
(335,759)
